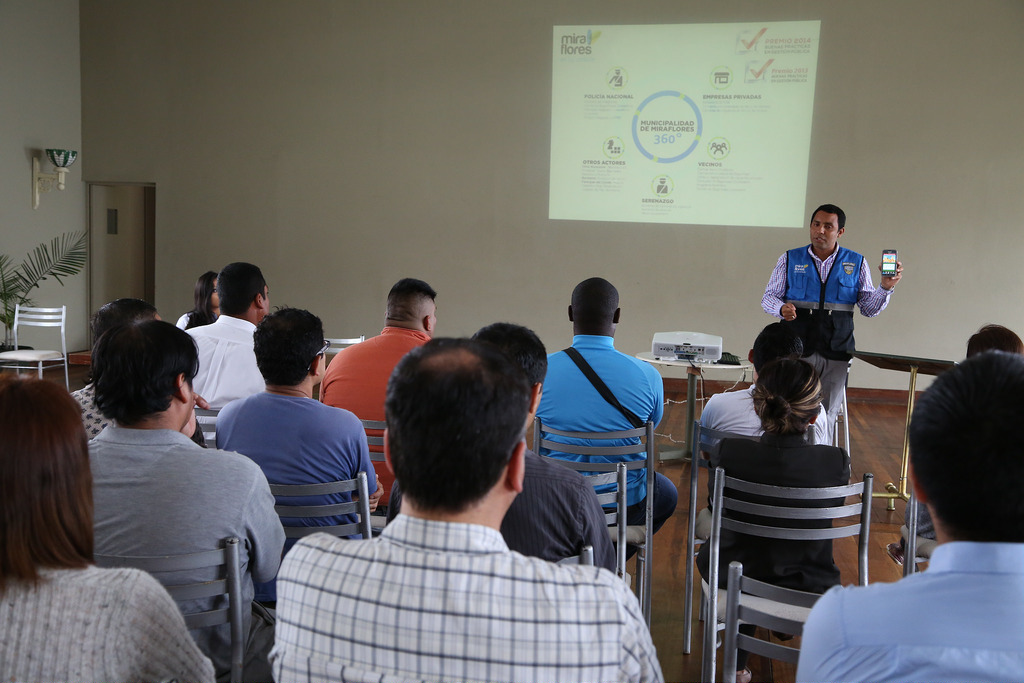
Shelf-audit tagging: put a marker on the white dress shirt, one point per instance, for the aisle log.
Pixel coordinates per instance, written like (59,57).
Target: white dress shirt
(733,412)
(227,362)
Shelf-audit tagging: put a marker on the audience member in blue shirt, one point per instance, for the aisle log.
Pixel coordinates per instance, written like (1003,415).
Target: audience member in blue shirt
(571,403)
(963,618)
(294,438)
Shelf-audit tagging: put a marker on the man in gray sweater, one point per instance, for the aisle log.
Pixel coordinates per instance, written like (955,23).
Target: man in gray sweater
(158,493)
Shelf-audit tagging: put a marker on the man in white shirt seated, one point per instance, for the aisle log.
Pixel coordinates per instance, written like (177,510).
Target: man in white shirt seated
(963,618)
(439,596)
(227,363)
(733,411)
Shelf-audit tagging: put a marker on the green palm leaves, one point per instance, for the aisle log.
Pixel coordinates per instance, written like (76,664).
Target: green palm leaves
(64,256)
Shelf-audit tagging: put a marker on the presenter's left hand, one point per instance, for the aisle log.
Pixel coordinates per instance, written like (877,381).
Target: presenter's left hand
(890,281)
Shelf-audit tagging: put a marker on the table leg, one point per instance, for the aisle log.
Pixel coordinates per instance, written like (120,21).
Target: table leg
(691,403)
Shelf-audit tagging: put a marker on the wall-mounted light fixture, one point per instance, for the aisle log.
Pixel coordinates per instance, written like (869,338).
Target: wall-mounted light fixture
(43,182)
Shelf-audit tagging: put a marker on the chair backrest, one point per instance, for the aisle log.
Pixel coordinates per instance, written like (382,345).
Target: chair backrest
(608,472)
(375,439)
(780,610)
(34,316)
(207,421)
(359,507)
(585,557)
(783,506)
(338,343)
(162,567)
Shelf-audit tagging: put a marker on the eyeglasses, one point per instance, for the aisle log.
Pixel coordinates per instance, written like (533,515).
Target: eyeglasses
(323,349)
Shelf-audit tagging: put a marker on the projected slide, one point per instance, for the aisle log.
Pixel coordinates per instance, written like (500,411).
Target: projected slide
(702,124)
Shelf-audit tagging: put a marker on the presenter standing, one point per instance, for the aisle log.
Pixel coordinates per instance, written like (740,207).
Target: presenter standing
(814,288)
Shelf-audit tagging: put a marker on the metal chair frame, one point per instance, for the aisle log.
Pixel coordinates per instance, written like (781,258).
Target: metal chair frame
(207,421)
(26,359)
(230,585)
(780,511)
(584,558)
(608,472)
(361,507)
(736,612)
(917,547)
(377,521)
(705,441)
(339,343)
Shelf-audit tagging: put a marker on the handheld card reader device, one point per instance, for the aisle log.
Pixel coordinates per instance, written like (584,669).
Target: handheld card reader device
(691,346)
(889,258)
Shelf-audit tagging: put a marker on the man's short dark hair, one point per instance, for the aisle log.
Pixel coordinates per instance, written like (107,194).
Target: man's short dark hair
(594,302)
(455,410)
(831,208)
(965,450)
(406,297)
(120,312)
(521,345)
(237,285)
(994,338)
(776,341)
(286,342)
(135,369)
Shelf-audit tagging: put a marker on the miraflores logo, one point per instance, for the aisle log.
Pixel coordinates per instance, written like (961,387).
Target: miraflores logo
(579,43)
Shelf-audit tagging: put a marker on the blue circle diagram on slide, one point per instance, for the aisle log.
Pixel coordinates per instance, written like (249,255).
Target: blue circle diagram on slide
(667,126)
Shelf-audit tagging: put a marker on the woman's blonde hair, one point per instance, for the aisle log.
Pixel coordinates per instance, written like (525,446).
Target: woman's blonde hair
(787,396)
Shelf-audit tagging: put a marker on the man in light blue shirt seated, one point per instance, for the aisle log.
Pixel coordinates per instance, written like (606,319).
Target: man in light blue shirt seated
(572,403)
(963,618)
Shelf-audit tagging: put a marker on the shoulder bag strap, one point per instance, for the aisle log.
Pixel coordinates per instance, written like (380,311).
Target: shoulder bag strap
(601,387)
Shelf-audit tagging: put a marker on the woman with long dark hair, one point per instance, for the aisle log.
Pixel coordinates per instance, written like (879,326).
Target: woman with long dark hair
(62,618)
(207,303)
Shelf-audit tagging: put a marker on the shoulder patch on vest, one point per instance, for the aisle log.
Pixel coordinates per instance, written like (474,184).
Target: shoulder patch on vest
(848,267)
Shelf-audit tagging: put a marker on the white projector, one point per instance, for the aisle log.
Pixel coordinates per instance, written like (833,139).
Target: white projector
(691,346)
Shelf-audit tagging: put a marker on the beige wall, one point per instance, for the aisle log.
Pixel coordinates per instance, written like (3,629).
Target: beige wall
(40,107)
(342,145)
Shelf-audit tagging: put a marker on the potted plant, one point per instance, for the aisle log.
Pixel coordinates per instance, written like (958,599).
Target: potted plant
(64,256)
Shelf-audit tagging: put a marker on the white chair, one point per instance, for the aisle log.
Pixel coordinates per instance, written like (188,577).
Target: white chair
(788,506)
(29,359)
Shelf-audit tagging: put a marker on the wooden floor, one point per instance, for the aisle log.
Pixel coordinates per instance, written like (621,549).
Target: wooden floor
(876,443)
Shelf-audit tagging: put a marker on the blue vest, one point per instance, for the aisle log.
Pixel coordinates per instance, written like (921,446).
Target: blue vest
(824,311)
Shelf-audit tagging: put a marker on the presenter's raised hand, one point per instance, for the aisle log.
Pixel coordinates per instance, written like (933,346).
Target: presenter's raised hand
(889,282)
(788,312)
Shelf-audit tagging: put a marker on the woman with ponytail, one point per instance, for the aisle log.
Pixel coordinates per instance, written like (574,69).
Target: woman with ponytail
(787,398)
